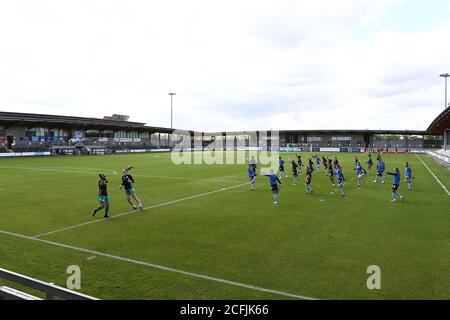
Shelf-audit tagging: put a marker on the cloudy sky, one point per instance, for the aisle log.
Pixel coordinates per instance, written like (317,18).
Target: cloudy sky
(235,64)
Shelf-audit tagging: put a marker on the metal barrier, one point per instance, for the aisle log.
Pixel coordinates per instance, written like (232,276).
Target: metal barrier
(7,293)
(51,291)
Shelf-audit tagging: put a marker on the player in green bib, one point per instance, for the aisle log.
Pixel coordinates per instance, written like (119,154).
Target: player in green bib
(103,196)
(130,193)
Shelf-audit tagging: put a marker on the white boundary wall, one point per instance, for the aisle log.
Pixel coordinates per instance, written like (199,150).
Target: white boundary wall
(439,156)
(24,154)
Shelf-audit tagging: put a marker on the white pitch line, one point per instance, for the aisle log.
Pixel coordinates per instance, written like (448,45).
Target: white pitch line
(183,178)
(147,208)
(440,183)
(161,267)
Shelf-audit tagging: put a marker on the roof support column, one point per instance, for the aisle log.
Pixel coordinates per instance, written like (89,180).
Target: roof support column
(446,139)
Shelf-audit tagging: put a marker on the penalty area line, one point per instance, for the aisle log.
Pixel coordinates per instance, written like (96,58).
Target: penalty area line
(161,267)
(145,209)
(438,181)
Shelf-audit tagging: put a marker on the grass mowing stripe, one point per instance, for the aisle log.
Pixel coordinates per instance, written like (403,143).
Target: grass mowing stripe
(161,267)
(440,183)
(147,208)
(211,180)
(57,170)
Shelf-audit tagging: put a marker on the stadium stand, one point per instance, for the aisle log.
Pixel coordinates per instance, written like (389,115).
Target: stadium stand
(67,135)
(441,126)
(23,146)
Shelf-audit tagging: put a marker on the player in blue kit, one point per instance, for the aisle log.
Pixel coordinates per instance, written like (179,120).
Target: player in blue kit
(380,170)
(274,181)
(408,175)
(360,172)
(330,163)
(251,172)
(311,165)
(281,167)
(294,171)
(395,184)
(317,158)
(370,164)
(308,179)
(252,162)
(330,172)
(324,163)
(335,163)
(300,163)
(340,179)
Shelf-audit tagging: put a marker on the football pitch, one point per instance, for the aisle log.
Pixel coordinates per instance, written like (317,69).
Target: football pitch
(205,235)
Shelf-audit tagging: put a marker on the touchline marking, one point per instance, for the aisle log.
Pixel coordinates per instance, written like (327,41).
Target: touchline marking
(161,267)
(147,208)
(443,187)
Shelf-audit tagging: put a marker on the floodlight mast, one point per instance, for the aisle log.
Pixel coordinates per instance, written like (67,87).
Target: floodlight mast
(171,94)
(445,76)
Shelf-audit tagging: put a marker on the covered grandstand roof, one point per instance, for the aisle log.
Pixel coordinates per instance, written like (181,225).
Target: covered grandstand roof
(52,121)
(7,119)
(337,131)
(441,123)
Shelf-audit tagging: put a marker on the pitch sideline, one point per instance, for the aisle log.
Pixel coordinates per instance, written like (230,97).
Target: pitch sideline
(161,267)
(434,176)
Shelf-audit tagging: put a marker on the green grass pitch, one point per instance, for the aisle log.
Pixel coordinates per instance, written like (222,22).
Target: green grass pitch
(316,245)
